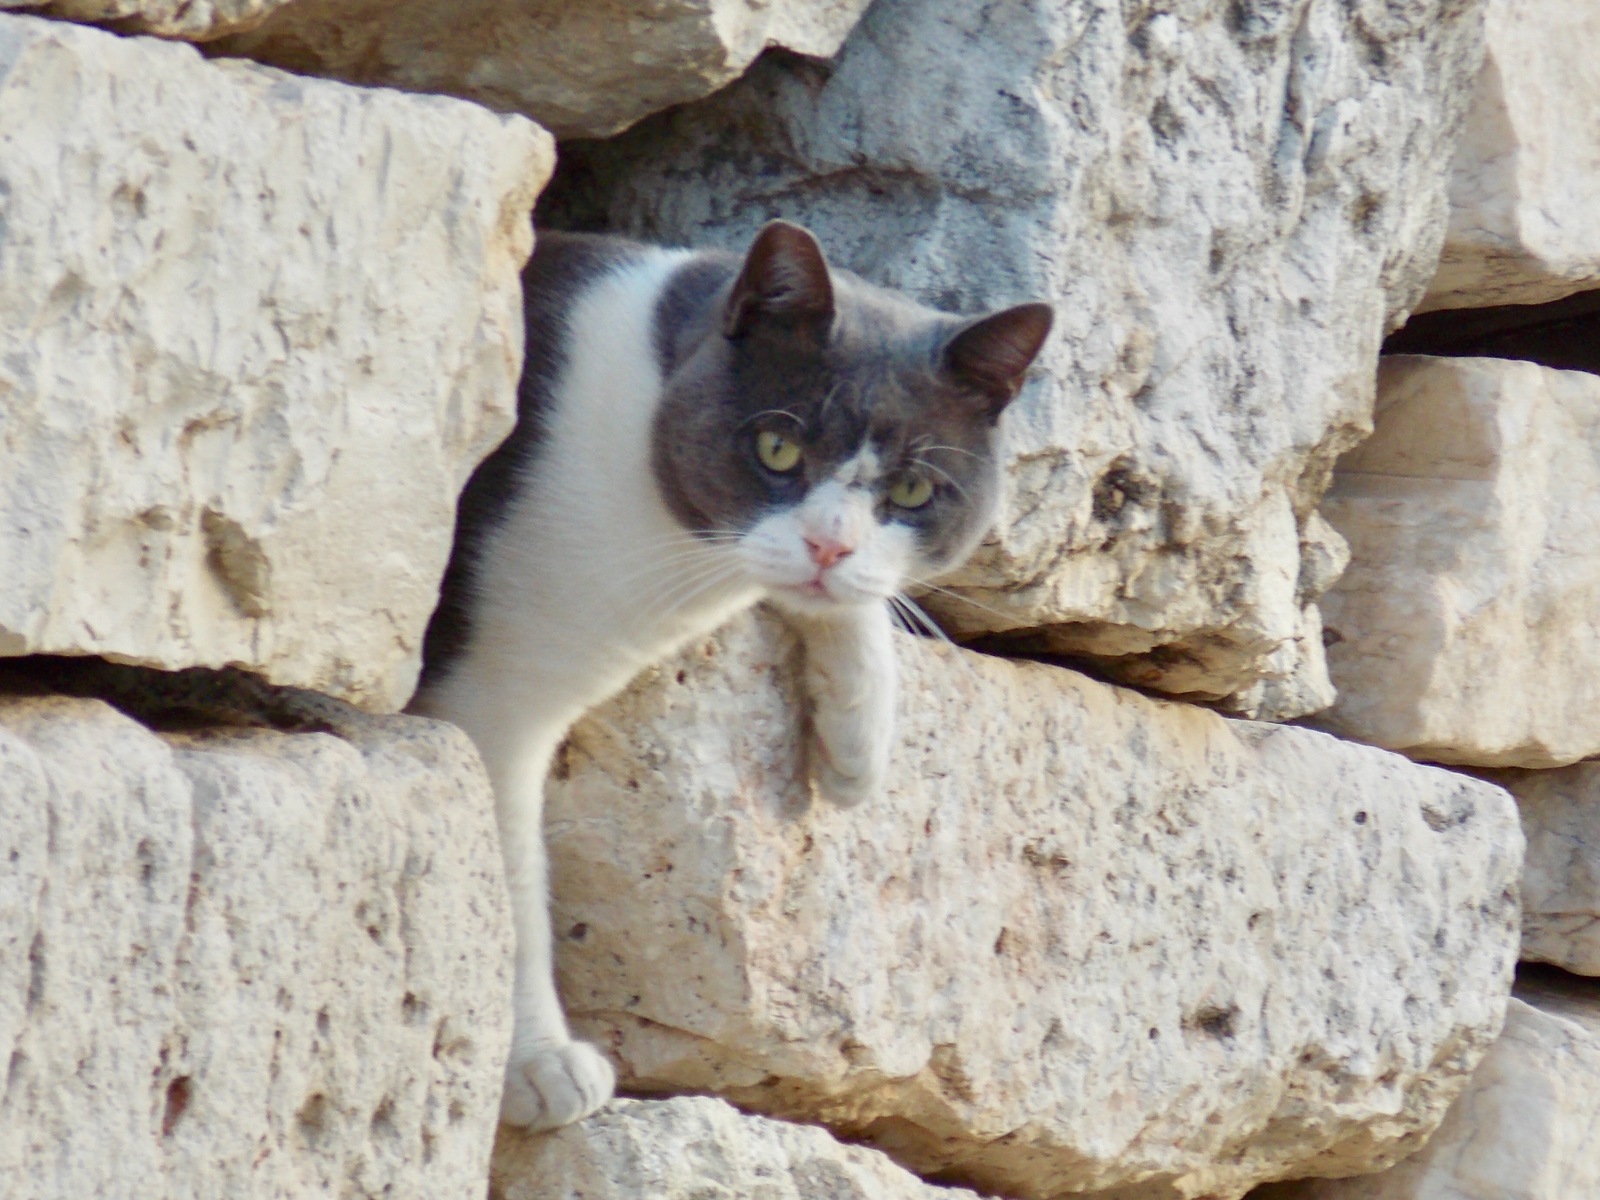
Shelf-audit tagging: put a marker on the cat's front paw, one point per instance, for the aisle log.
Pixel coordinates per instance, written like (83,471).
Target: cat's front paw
(850,750)
(556,1085)
(849,759)
(840,788)
(850,680)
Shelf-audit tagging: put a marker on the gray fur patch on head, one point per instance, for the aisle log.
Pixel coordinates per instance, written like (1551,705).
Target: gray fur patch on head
(868,387)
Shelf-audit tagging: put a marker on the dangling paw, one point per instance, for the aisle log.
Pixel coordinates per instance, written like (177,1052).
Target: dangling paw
(850,682)
(835,787)
(848,779)
(555,1085)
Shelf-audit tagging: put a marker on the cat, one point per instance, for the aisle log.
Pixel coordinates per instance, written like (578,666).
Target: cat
(699,432)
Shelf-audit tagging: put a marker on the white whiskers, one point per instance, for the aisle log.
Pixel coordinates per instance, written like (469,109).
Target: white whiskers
(943,591)
(678,593)
(917,622)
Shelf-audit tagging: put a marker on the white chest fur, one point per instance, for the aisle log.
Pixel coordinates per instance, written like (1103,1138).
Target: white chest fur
(588,578)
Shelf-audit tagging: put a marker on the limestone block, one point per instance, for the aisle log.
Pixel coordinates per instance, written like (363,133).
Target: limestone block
(255,332)
(241,962)
(1225,203)
(1524,1130)
(1086,940)
(195,20)
(1464,629)
(1561,873)
(581,70)
(696,1148)
(1525,184)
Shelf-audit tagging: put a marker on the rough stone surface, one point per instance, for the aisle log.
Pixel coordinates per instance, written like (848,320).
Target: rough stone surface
(240,962)
(1087,939)
(195,20)
(1464,629)
(582,70)
(1226,203)
(1525,185)
(695,1148)
(255,331)
(1561,873)
(1527,1129)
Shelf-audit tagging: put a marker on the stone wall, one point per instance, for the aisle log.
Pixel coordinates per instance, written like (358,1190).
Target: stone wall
(244,314)
(242,959)
(1463,630)
(260,319)
(1292,948)
(1228,214)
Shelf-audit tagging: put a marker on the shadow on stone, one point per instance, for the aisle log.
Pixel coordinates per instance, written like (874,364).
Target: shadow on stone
(1564,334)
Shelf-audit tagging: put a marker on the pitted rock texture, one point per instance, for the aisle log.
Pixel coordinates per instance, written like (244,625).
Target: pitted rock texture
(580,69)
(195,20)
(241,962)
(1524,1130)
(1228,205)
(1463,630)
(1561,873)
(1525,185)
(1086,940)
(255,332)
(696,1148)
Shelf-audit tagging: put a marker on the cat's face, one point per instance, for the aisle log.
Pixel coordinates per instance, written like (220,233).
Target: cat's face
(836,440)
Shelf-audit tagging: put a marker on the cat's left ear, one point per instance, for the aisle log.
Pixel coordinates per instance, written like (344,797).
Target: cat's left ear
(784,282)
(992,354)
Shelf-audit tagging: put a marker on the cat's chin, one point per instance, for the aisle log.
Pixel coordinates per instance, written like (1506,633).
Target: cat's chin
(813,599)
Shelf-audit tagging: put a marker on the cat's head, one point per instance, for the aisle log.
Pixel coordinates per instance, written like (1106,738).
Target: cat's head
(845,436)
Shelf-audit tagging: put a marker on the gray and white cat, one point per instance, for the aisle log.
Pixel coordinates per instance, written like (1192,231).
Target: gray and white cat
(698,433)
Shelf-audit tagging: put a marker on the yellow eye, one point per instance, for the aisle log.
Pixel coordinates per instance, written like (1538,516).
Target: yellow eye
(912,491)
(776,452)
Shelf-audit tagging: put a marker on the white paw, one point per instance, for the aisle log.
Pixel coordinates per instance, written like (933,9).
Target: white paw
(859,777)
(835,787)
(556,1085)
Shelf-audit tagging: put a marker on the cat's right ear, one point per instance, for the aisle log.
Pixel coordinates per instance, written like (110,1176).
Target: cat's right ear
(784,282)
(992,354)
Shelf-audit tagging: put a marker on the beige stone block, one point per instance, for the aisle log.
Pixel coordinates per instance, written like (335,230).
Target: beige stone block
(580,69)
(696,1148)
(1561,873)
(1226,203)
(1524,1130)
(240,962)
(1525,185)
(1086,940)
(194,20)
(1463,630)
(255,332)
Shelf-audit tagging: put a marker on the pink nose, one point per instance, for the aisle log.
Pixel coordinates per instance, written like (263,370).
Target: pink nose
(825,551)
